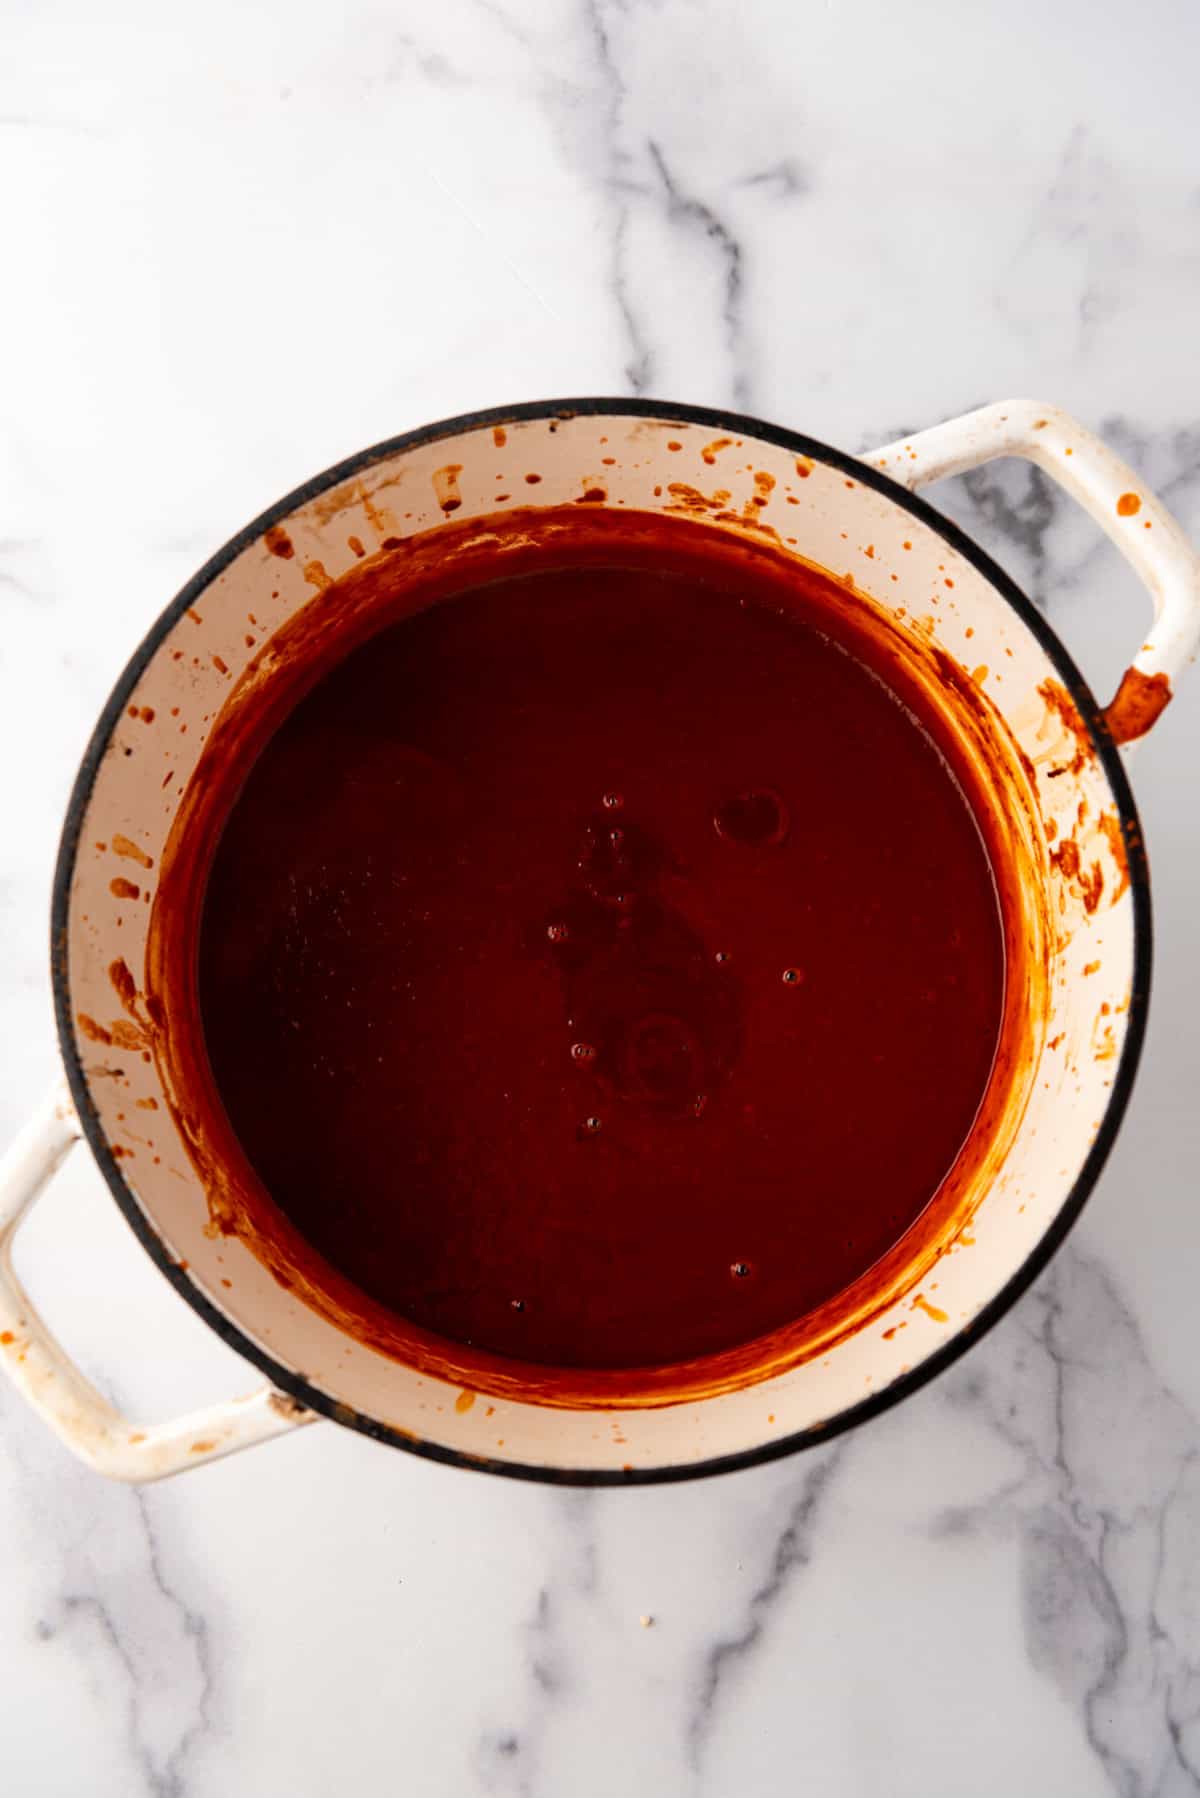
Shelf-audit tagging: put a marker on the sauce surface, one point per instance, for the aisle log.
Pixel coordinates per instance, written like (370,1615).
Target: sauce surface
(603,967)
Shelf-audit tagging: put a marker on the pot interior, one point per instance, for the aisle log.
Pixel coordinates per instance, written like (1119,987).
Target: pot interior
(1072,917)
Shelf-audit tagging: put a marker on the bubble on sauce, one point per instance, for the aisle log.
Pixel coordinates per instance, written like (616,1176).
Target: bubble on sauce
(793,976)
(612,802)
(722,958)
(517,1304)
(583,1052)
(591,1126)
(741,1270)
(757,819)
(557,932)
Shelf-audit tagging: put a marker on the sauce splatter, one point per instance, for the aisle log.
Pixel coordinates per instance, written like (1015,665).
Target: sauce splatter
(123,984)
(445,486)
(123,846)
(1087,881)
(1061,706)
(1110,826)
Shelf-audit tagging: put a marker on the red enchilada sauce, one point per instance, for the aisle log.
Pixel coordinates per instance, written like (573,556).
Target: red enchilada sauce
(602,967)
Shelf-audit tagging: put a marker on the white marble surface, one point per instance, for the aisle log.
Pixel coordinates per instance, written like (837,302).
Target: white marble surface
(245,239)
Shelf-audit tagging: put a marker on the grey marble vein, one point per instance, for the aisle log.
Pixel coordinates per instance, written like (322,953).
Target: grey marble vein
(792,1550)
(28,121)
(1071,229)
(1107,1517)
(124,1620)
(784,180)
(1016,505)
(639,368)
(693,216)
(413,55)
(16,556)
(508,1754)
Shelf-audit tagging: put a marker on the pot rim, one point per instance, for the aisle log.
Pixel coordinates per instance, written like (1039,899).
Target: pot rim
(719,420)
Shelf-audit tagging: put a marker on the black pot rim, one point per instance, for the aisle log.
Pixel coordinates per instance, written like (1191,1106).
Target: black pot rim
(667,412)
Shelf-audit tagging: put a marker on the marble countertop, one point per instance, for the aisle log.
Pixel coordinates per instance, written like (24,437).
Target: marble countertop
(245,241)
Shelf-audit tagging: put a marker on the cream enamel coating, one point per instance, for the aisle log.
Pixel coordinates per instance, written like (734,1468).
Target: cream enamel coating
(932,592)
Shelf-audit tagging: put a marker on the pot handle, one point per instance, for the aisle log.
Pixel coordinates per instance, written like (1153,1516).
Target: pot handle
(45,1375)
(1139,524)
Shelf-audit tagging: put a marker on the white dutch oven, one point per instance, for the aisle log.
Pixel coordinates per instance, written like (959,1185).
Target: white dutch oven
(1075,838)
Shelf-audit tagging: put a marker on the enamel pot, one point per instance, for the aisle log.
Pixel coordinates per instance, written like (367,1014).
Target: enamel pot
(1077,923)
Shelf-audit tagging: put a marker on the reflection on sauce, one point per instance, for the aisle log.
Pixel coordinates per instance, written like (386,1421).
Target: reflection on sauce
(575,985)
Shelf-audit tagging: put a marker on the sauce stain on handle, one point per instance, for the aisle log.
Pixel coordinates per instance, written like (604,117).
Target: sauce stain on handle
(1138,703)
